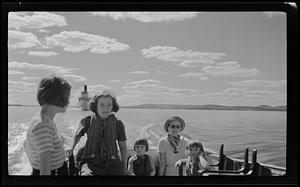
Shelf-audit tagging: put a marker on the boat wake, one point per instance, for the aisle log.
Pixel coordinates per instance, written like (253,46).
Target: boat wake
(18,164)
(153,132)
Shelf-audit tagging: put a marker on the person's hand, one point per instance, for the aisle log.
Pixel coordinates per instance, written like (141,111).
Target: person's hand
(127,172)
(69,153)
(131,174)
(200,171)
(178,163)
(134,157)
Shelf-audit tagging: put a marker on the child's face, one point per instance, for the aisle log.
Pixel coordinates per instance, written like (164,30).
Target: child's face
(193,152)
(140,149)
(104,106)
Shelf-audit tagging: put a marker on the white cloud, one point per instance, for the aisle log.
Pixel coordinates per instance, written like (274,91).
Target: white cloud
(160,72)
(245,93)
(155,94)
(148,16)
(73,77)
(228,90)
(229,69)
(45,46)
(76,81)
(55,69)
(42,53)
(44,31)
(21,86)
(273,14)
(260,93)
(139,72)
(137,93)
(75,41)
(18,39)
(264,95)
(156,87)
(31,78)
(206,60)
(34,20)
(187,58)
(131,97)
(200,76)
(144,82)
(13,72)
(195,63)
(134,94)
(117,81)
(203,78)
(259,83)
(95,89)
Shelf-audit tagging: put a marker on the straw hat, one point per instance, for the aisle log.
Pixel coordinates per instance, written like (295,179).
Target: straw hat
(175,118)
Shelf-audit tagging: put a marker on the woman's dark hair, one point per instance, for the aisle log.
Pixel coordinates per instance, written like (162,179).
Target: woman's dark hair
(195,144)
(54,90)
(141,142)
(94,101)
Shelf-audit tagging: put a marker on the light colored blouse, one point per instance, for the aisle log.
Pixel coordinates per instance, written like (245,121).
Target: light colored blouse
(171,158)
(42,136)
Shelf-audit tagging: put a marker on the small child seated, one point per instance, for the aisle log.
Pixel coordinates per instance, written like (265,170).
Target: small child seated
(141,164)
(196,162)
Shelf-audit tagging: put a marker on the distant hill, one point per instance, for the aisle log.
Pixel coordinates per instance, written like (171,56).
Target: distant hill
(209,107)
(37,105)
(20,105)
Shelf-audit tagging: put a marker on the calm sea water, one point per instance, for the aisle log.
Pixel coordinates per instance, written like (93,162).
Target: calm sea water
(261,130)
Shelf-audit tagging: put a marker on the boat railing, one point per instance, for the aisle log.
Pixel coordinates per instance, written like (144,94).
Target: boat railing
(273,167)
(275,170)
(265,165)
(216,156)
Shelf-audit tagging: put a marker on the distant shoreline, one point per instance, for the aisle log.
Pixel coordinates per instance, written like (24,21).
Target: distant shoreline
(193,107)
(20,105)
(34,105)
(208,109)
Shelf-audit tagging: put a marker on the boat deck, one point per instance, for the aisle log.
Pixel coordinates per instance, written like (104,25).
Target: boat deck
(213,159)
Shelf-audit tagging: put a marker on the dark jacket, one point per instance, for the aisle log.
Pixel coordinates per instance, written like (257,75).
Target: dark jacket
(141,166)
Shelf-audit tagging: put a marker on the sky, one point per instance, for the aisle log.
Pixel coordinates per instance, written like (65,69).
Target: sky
(224,58)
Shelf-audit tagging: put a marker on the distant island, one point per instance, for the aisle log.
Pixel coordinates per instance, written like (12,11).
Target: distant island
(209,107)
(35,105)
(20,105)
(195,107)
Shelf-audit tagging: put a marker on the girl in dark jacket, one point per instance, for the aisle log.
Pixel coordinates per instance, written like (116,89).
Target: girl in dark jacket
(100,154)
(141,164)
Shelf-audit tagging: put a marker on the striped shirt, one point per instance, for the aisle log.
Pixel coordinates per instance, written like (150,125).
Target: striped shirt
(42,136)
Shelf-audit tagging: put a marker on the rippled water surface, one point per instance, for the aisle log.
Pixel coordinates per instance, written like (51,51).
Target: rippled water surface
(261,130)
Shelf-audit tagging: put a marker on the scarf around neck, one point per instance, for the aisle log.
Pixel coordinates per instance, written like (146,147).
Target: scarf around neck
(174,141)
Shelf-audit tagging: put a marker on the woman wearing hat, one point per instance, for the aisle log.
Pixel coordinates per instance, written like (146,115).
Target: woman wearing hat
(100,153)
(172,147)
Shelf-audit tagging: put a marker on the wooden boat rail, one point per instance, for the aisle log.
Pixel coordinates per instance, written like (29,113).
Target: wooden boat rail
(214,157)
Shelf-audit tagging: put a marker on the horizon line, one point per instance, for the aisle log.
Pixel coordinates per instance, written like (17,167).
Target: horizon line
(163,104)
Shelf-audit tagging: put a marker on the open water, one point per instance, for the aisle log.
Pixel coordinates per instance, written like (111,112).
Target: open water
(261,130)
